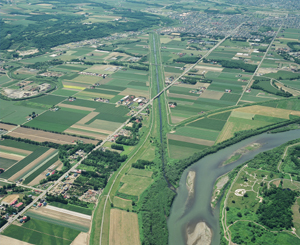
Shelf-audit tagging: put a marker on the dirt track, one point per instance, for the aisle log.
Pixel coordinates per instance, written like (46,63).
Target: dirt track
(41,136)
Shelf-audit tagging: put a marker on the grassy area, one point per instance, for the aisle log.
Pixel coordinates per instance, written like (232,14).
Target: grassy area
(134,185)
(122,203)
(24,162)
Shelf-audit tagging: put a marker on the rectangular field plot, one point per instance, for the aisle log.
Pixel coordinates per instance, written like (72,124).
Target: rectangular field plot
(18,144)
(230,97)
(41,232)
(9,112)
(134,185)
(73,208)
(46,164)
(197,133)
(23,163)
(64,219)
(191,140)
(124,228)
(48,99)
(6,163)
(57,121)
(180,149)
(140,172)
(207,123)
(122,203)
(64,92)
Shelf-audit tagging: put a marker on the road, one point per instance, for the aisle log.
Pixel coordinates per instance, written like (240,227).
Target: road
(256,70)
(42,195)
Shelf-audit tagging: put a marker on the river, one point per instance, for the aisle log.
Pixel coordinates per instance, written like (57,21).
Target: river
(188,213)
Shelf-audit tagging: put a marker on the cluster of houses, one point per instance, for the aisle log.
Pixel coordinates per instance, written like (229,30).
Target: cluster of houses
(93,74)
(128,100)
(198,91)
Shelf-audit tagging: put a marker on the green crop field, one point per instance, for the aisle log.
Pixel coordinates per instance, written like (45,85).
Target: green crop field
(217,86)
(230,97)
(57,121)
(72,208)
(284,75)
(19,145)
(122,203)
(197,133)
(9,112)
(208,123)
(116,98)
(41,217)
(6,163)
(268,119)
(40,170)
(180,90)
(180,149)
(112,87)
(33,237)
(134,185)
(140,172)
(221,116)
(42,233)
(64,92)
(186,144)
(24,162)
(48,99)
(101,91)
(137,84)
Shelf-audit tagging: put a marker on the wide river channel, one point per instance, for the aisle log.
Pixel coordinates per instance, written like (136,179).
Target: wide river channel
(208,169)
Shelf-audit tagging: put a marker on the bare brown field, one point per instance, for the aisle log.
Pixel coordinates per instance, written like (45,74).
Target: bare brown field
(77,107)
(94,135)
(6,126)
(190,140)
(11,156)
(88,117)
(208,94)
(8,199)
(53,214)
(31,165)
(97,130)
(17,150)
(41,136)
(266,111)
(136,92)
(183,96)
(81,239)
(124,228)
(12,241)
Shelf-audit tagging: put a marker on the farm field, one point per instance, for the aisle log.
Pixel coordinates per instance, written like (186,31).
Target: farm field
(24,163)
(134,184)
(123,228)
(40,232)
(41,136)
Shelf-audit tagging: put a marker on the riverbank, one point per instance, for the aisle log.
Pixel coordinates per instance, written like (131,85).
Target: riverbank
(200,236)
(240,152)
(190,182)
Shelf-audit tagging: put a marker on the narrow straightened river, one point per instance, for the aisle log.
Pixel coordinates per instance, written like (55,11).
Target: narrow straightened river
(208,169)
